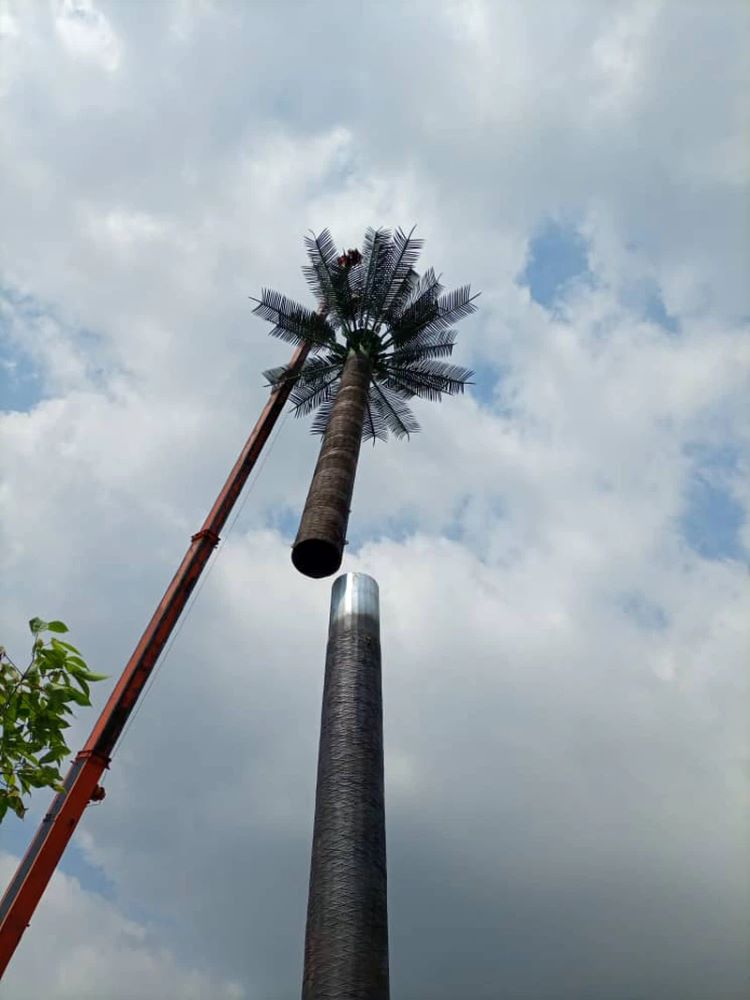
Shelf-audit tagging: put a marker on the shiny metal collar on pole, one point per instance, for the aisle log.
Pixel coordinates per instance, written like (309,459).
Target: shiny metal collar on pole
(354,594)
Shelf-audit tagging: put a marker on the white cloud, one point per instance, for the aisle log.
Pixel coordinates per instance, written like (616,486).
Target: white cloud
(86,33)
(618,53)
(90,950)
(564,770)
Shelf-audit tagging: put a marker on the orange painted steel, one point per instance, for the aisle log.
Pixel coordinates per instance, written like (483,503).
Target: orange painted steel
(81,783)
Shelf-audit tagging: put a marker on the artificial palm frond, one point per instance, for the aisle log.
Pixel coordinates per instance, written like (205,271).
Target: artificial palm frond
(404,255)
(395,276)
(323,413)
(437,344)
(328,279)
(277,376)
(457,304)
(320,367)
(376,305)
(417,294)
(306,398)
(395,414)
(428,315)
(371,273)
(314,385)
(400,296)
(293,322)
(453,374)
(373,427)
(427,379)
(322,253)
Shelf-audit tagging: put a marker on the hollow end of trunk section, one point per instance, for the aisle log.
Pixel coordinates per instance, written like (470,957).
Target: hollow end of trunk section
(316,557)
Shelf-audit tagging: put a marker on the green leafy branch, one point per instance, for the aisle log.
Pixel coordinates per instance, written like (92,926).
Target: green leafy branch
(34,704)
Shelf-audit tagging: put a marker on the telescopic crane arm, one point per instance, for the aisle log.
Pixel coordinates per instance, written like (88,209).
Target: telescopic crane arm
(81,783)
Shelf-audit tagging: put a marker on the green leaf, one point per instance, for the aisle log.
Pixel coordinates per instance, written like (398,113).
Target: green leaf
(47,775)
(82,685)
(78,697)
(50,658)
(35,779)
(75,664)
(33,711)
(64,645)
(18,807)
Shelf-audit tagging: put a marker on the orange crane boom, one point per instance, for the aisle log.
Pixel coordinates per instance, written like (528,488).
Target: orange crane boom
(81,783)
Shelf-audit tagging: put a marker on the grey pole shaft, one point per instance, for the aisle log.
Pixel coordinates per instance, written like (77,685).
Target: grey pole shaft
(346,941)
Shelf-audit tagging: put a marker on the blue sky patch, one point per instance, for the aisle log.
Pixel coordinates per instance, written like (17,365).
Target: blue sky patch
(647,614)
(558,256)
(18,834)
(455,529)
(712,518)
(21,382)
(657,313)
(644,298)
(284,519)
(20,379)
(395,528)
(26,373)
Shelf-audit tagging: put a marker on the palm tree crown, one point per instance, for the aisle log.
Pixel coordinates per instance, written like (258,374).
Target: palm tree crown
(373,303)
(375,341)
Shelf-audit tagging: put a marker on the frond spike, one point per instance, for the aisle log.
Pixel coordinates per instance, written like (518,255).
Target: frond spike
(395,414)
(293,322)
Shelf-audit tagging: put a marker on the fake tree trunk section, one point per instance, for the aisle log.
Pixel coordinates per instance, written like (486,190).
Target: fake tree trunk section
(319,546)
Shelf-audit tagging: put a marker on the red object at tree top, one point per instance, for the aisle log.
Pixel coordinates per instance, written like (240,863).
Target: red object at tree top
(349,259)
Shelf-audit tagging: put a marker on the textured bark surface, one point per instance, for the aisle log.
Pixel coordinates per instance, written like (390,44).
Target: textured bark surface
(319,546)
(346,943)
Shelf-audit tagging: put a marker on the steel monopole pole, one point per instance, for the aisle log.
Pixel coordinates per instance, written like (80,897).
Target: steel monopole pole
(346,940)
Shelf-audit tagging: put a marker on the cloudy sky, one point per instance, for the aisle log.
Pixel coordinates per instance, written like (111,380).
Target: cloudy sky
(562,553)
